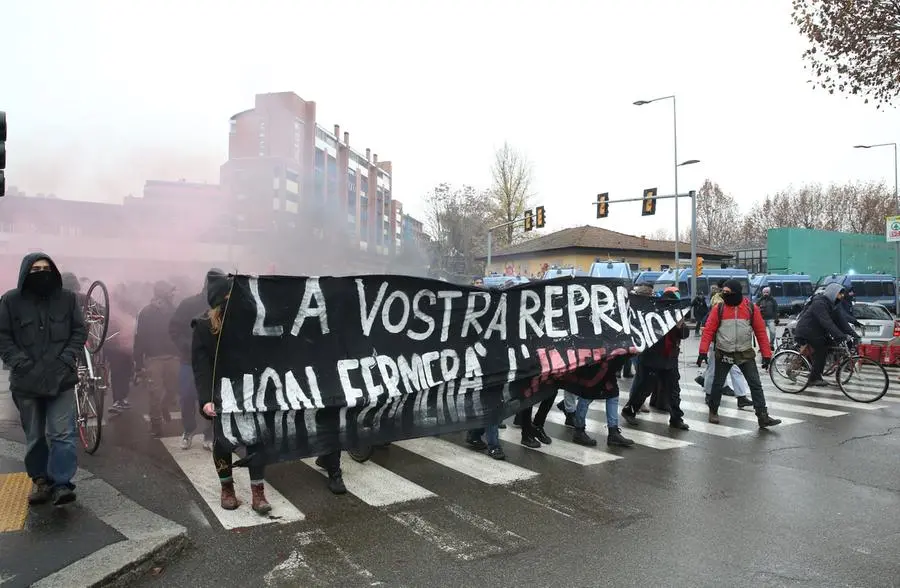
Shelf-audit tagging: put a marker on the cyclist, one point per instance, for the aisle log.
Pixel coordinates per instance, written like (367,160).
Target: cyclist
(820,321)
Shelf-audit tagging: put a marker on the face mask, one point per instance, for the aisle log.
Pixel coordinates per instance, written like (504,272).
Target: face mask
(732,298)
(41,283)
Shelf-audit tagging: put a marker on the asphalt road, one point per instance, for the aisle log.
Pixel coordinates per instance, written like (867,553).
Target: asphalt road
(810,503)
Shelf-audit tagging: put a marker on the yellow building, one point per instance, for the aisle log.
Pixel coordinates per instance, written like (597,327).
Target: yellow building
(579,247)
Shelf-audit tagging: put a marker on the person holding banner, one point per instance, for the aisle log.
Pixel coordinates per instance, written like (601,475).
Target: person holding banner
(207,329)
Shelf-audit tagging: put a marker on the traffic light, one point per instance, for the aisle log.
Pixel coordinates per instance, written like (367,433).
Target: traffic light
(603,205)
(698,269)
(2,153)
(539,217)
(529,223)
(649,202)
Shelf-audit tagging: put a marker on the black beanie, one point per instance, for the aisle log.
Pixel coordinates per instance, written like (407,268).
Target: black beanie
(218,285)
(734,286)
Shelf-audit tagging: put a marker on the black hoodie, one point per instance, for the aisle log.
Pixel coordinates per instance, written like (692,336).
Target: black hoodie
(41,338)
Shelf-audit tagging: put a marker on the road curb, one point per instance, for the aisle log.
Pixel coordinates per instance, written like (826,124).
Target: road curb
(149,538)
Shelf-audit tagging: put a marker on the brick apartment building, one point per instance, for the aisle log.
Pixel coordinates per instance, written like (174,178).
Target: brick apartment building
(284,168)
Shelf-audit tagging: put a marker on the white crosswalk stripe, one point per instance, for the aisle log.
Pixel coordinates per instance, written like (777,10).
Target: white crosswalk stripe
(428,510)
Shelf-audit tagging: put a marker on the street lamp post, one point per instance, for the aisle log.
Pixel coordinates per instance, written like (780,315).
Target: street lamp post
(693,230)
(675,159)
(897,211)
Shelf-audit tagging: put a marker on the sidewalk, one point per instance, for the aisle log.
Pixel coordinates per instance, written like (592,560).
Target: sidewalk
(102,538)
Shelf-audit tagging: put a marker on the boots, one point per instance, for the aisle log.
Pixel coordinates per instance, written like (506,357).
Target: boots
(764,420)
(336,482)
(260,504)
(570,418)
(615,438)
(229,498)
(40,492)
(744,402)
(714,415)
(581,438)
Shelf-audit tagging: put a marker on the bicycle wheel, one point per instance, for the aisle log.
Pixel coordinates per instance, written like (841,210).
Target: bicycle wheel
(789,371)
(90,415)
(96,316)
(862,379)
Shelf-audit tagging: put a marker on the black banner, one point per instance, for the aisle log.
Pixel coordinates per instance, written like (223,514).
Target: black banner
(310,365)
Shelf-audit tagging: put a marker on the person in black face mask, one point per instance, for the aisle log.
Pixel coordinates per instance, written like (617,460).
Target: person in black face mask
(732,326)
(42,336)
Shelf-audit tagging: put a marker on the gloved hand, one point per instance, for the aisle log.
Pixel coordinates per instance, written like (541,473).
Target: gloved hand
(765,362)
(700,359)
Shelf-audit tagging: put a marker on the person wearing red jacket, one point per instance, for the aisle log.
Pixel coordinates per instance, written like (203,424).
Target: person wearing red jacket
(732,325)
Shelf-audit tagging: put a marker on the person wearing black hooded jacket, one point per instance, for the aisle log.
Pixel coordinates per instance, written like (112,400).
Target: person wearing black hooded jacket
(181,334)
(822,320)
(42,336)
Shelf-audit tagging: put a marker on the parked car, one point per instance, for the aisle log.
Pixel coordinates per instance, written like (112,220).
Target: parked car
(879,325)
(564,272)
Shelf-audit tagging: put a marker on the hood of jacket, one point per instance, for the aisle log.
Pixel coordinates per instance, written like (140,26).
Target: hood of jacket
(25,269)
(831,292)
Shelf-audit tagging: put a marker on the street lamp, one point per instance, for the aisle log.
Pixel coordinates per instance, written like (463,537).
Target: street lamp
(675,129)
(897,208)
(693,230)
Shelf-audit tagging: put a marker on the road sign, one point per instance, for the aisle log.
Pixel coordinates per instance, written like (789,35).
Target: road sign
(892,229)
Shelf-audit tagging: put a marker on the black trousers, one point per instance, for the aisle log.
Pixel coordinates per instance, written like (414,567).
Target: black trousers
(751,374)
(121,368)
(819,355)
(540,417)
(666,382)
(222,457)
(332,462)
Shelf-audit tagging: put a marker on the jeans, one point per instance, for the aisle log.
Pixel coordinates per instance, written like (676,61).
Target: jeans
(491,435)
(188,401)
(612,412)
(770,328)
(49,425)
(750,372)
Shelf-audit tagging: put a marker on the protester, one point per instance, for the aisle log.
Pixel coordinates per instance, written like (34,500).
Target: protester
(42,336)
(155,351)
(492,434)
(610,394)
(206,330)
(659,367)
(700,310)
(715,296)
(181,334)
(732,326)
(768,307)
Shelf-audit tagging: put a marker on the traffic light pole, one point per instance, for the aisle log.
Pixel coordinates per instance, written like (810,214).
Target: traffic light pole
(693,196)
(490,237)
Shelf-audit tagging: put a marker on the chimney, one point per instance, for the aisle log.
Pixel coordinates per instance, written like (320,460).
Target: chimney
(368,154)
(337,132)
(375,158)
(346,138)
(643,240)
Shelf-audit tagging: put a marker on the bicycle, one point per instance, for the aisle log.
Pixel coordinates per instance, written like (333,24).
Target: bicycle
(860,378)
(93,376)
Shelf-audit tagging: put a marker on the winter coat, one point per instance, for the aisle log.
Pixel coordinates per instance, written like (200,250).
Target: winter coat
(823,318)
(664,354)
(180,330)
(203,358)
(733,328)
(151,334)
(768,307)
(41,339)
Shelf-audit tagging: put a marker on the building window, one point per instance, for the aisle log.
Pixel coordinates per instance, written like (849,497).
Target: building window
(320,160)
(351,190)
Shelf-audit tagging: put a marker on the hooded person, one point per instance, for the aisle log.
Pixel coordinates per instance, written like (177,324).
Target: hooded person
(768,308)
(155,353)
(42,336)
(181,334)
(732,326)
(820,321)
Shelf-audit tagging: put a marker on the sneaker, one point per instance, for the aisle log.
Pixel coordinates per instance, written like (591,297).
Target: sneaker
(476,443)
(115,408)
(541,436)
(644,408)
(496,453)
(529,441)
(681,425)
(820,383)
(744,402)
(629,416)
(700,380)
(187,440)
(125,404)
(582,438)
(63,495)
(40,492)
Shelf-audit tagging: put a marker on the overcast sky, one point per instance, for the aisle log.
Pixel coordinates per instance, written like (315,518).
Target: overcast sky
(102,95)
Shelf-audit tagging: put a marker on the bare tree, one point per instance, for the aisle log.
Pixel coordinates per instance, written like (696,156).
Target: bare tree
(457,221)
(510,191)
(717,216)
(854,45)
(661,235)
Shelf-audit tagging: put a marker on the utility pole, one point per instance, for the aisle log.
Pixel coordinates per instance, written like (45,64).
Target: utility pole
(526,215)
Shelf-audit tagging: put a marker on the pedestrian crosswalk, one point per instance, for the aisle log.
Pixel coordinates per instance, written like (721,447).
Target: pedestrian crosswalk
(395,480)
